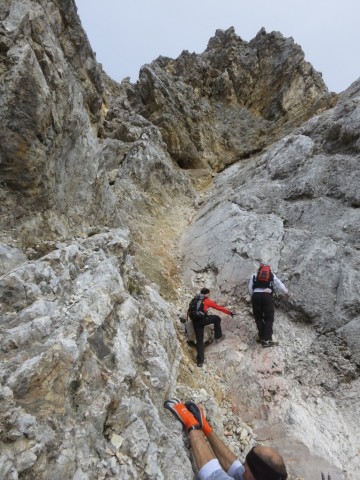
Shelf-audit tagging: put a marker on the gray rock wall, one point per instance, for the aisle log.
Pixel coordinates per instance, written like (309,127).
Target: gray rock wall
(295,206)
(99,180)
(51,94)
(85,367)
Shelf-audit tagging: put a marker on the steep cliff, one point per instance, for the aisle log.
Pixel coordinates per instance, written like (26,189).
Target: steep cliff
(117,201)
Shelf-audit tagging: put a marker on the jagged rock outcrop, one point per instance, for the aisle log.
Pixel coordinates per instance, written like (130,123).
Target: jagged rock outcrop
(58,178)
(99,180)
(232,100)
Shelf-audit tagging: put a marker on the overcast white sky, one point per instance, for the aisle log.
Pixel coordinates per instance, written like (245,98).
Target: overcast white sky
(126,34)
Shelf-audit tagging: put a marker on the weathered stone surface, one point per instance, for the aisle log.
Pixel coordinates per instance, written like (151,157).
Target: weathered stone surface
(97,184)
(295,206)
(51,93)
(232,100)
(10,257)
(82,358)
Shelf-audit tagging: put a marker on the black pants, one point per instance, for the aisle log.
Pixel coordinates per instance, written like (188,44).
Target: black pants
(199,325)
(263,310)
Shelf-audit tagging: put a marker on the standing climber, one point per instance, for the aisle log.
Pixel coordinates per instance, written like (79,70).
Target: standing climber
(261,288)
(198,312)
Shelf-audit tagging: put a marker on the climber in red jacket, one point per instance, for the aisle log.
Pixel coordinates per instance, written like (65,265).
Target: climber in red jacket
(198,312)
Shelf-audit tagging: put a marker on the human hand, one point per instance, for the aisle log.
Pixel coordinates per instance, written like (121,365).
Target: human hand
(199,415)
(181,413)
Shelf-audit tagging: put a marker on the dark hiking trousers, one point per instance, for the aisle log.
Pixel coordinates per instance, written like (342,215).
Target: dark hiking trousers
(263,311)
(199,325)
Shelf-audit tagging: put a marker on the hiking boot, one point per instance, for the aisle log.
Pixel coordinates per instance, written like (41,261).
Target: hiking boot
(258,339)
(269,343)
(200,364)
(218,340)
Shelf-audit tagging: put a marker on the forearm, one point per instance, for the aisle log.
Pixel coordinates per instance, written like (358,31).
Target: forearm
(280,286)
(221,451)
(208,303)
(201,450)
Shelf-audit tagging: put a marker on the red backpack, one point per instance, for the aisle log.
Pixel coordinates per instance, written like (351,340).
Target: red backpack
(264,277)
(264,273)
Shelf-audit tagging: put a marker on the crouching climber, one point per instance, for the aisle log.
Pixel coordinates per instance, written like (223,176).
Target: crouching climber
(214,460)
(198,312)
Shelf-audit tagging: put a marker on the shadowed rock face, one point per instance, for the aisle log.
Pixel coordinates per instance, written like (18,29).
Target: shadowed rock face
(51,91)
(98,182)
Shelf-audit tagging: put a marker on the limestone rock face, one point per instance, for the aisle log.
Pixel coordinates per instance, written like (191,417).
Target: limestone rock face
(85,367)
(98,183)
(296,206)
(51,92)
(232,100)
